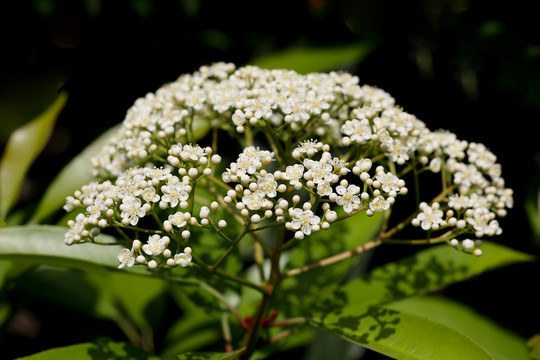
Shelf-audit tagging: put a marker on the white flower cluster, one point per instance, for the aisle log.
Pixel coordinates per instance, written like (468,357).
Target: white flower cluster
(138,192)
(152,168)
(256,193)
(478,195)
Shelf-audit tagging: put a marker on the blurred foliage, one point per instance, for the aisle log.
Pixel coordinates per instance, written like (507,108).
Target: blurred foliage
(472,64)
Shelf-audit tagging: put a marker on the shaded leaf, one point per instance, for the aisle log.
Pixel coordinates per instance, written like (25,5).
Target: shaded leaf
(209,355)
(315,59)
(295,293)
(93,351)
(44,245)
(75,174)
(503,344)
(22,148)
(399,335)
(426,271)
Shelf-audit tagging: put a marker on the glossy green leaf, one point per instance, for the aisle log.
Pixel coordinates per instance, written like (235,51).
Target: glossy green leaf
(22,148)
(194,330)
(43,244)
(502,343)
(209,355)
(296,292)
(399,335)
(426,271)
(140,298)
(75,174)
(93,351)
(305,60)
(314,59)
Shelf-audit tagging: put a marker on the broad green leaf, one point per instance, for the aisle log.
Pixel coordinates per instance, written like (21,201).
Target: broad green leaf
(93,351)
(71,177)
(209,355)
(22,148)
(426,271)
(194,330)
(315,59)
(140,298)
(44,245)
(502,343)
(399,335)
(296,292)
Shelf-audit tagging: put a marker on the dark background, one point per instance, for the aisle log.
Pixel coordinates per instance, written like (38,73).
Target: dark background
(472,67)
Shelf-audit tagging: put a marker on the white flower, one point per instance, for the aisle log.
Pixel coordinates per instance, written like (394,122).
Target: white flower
(255,201)
(324,188)
(174,192)
(348,197)
(183,259)
(190,152)
(267,185)
(359,131)
(309,147)
(389,182)
(318,172)
(238,118)
(468,175)
(155,245)
(178,219)
(304,220)
(247,165)
(132,210)
(430,217)
(379,204)
(149,194)
(293,173)
(125,258)
(398,151)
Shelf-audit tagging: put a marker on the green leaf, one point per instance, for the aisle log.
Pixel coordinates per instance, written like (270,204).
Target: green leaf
(296,292)
(502,343)
(22,148)
(71,177)
(195,329)
(92,351)
(426,271)
(44,245)
(138,297)
(314,59)
(209,355)
(399,335)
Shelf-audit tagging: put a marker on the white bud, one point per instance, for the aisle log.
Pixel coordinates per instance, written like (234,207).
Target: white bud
(193,172)
(204,212)
(136,245)
(216,159)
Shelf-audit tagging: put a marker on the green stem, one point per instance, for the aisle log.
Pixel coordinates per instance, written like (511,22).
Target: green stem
(335,258)
(225,275)
(266,302)
(233,245)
